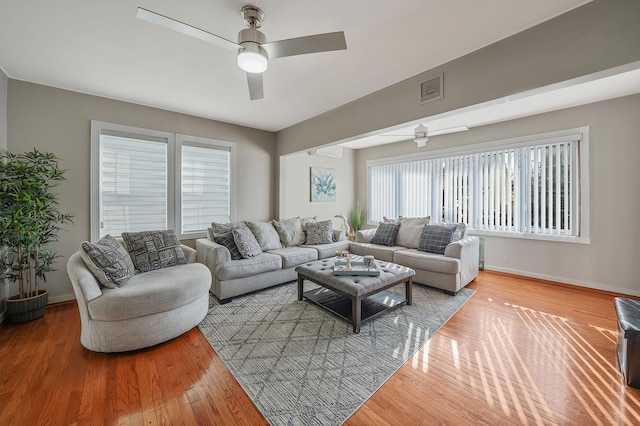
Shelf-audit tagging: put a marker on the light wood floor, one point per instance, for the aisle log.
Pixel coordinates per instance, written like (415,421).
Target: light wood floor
(519,352)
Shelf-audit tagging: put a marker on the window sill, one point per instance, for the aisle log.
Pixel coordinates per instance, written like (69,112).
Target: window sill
(540,237)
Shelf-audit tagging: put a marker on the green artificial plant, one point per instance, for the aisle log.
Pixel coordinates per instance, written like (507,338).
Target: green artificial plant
(30,217)
(357,216)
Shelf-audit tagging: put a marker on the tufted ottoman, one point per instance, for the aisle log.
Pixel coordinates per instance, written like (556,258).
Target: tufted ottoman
(355,298)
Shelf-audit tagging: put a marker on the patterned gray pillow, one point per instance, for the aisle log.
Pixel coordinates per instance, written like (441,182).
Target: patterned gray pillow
(319,232)
(386,233)
(227,240)
(435,238)
(218,228)
(151,250)
(108,261)
(246,242)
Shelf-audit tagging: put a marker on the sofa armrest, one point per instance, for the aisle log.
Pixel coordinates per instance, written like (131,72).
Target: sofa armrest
(468,251)
(189,253)
(463,248)
(211,254)
(365,235)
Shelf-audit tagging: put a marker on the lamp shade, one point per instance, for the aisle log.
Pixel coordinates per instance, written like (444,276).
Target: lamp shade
(253,62)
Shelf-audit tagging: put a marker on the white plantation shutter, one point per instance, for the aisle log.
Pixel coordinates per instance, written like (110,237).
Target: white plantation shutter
(133,176)
(206,187)
(527,188)
(145,180)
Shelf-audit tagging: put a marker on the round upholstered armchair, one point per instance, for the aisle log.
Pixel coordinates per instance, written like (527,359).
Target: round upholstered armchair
(150,308)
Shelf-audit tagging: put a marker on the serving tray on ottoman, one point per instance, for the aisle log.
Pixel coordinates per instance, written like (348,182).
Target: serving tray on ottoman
(355,298)
(357,268)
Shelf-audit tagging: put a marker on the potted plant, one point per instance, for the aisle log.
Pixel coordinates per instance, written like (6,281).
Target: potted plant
(29,222)
(357,217)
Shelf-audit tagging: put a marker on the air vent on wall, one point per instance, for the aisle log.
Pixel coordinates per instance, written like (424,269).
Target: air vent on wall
(431,89)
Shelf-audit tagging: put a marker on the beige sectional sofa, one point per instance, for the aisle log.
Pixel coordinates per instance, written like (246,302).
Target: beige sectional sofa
(275,265)
(450,271)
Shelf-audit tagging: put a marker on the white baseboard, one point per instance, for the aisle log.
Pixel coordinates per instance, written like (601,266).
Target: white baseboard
(562,280)
(62,298)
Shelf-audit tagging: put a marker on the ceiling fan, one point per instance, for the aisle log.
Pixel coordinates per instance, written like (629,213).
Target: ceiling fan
(421,133)
(253,49)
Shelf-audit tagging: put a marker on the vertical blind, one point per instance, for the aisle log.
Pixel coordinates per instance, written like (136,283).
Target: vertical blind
(525,189)
(206,187)
(133,190)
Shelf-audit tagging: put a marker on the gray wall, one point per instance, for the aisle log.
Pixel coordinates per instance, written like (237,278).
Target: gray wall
(609,262)
(3,145)
(59,121)
(595,37)
(295,181)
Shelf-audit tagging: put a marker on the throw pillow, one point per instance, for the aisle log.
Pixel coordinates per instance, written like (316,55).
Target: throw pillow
(386,233)
(220,228)
(108,261)
(460,232)
(266,235)
(151,250)
(435,238)
(246,242)
(410,231)
(319,232)
(290,231)
(227,240)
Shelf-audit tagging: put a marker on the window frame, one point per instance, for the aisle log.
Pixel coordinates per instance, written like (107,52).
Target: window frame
(197,141)
(174,171)
(580,178)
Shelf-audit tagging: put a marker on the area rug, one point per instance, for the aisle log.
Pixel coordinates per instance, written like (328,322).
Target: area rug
(301,365)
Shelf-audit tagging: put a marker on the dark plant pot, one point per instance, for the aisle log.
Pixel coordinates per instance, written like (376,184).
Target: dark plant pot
(27,309)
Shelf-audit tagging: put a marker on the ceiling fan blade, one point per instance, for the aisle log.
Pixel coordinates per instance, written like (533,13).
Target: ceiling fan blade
(308,44)
(181,27)
(434,132)
(255,86)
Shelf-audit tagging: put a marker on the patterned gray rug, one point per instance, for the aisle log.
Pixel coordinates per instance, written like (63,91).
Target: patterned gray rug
(302,365)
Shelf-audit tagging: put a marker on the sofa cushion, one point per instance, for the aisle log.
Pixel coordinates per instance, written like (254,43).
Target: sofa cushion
(290,231)
(410,231)
(228,241)
(329,250)
(435,238)
(247,244)
(379,252)
(155,291)
(319,232)
(108,261)
(386,233)
(421,260)
(242,268)
(294,256)
(266,235)
(151,250)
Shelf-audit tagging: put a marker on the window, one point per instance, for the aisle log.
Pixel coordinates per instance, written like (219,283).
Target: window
(145,179)
(535,187)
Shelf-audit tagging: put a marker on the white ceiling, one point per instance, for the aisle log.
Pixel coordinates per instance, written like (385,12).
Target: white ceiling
(100,48)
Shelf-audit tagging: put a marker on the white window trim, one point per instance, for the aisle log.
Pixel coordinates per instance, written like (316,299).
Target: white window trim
(581,175)
(206,143)
(174,182)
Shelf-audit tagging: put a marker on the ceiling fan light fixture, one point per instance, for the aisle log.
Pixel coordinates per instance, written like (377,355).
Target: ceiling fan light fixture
(252,61)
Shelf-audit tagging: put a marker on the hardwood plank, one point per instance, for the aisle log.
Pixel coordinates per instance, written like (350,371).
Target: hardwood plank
(521,351)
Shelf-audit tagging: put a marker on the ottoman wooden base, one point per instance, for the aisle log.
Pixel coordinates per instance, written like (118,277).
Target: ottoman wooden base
(354,298)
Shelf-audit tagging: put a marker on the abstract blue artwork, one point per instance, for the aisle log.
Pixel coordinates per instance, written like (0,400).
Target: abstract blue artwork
(323,184)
